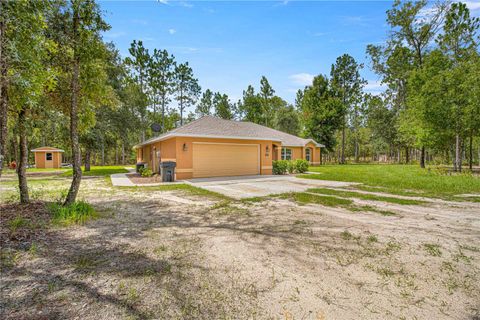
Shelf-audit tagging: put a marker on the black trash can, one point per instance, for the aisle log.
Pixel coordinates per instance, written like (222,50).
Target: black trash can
(139,165)
(168,171)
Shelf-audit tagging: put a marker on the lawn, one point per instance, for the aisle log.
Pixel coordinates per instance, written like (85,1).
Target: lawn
(400,179)
(99,171)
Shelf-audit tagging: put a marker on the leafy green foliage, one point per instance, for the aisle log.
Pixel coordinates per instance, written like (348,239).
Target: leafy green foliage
(290,166)
(76,213)
(145,172)
(399,179)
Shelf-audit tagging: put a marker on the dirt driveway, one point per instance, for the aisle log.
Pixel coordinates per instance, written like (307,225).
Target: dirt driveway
(176,254)
(260,186)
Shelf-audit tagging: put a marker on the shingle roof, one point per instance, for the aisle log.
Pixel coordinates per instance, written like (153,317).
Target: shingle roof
(209,126)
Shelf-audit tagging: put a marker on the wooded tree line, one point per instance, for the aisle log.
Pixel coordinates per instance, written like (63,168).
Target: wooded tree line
(62,85)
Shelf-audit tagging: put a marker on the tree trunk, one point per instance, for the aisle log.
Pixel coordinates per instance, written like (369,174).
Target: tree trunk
(3,92)
(407,155)
(22,165)
(356,150)
(457,165)
(103,153)
(87,159)
(77,159)
(342,155)
(123,152)
(470,162)
(422,157)
(116,152)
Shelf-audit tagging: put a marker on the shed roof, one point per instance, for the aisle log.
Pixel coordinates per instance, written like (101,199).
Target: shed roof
(47,149)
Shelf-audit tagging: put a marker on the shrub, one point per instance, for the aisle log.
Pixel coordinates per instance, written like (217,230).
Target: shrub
(76,213)
(280,167)
(301,166)
(145,172)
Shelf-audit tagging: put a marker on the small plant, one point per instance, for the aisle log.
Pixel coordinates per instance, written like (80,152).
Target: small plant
(76,213)
(145,172)
(17,223)
(372,238)
(433,249)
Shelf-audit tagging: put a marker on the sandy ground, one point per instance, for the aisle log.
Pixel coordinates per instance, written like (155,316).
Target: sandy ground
(173,255)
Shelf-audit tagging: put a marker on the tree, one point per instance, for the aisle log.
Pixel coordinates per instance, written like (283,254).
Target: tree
(83,25)
(26,48)
(458,42)
(139,64)
(187,88)
(251,106)
(4,21)
(266,95)
(412,30)
(222,106)
(160,73)
(347,84)
(204,108)
(322,112)
(287,120)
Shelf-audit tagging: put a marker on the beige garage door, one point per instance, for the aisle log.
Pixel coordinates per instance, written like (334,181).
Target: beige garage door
(217,159)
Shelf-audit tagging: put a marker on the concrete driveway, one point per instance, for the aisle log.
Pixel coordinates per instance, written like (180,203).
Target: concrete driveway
(259,186)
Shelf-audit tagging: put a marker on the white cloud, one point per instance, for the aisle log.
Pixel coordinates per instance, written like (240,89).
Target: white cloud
(163,1)
(375,87)
(472,5)
(172,31)
(303,78)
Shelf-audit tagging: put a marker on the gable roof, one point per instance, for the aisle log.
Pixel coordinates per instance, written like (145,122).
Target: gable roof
(44,149)
(213,127)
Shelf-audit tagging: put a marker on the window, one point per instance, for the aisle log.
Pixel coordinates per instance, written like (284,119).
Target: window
(286,154)
(308,154)
(49,156)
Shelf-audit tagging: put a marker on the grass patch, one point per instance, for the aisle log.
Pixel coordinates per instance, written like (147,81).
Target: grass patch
(98,171)
(17,222)
(433,249)
(306,198)
(363,196)
(76,213)
(400,179)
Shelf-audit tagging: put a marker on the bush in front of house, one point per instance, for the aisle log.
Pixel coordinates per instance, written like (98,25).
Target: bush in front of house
(145,172)
(290,166)
(301,165)
(280,167)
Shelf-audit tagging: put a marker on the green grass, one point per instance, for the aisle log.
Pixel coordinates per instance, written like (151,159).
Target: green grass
(400,179)
(10,171)
(351,194)
(76,213)
(98,171)
(305,198)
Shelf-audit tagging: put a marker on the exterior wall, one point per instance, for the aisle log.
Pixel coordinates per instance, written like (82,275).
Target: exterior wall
(40,159)
(184,158)
(173,150)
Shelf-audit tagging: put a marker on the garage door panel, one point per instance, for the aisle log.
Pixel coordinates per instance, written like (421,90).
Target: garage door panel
(215,160)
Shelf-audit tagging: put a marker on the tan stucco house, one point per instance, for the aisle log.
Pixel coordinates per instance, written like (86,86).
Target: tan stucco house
(214,147)
(48,157)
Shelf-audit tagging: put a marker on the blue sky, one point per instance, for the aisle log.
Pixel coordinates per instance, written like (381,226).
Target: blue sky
(231,44)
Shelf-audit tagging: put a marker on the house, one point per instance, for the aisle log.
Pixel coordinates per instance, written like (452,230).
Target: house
(48,157)
(212,147)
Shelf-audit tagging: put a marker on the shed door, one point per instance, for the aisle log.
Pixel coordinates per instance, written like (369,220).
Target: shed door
(222,159)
